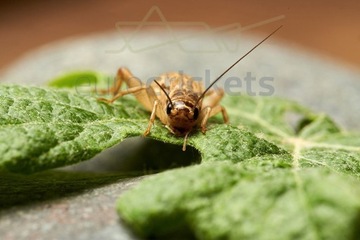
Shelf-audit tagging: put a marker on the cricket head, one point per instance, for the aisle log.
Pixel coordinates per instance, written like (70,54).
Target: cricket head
(182,116)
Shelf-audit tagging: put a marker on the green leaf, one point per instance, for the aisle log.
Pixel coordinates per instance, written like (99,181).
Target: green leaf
(76,79)
(279,196)
(236,201)
(45,128)
(278,170)
(313,141)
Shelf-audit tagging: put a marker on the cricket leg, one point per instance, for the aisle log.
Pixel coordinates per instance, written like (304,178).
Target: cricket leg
(208,112)
(122,93)
(123,75)
(213,97)
(152,118)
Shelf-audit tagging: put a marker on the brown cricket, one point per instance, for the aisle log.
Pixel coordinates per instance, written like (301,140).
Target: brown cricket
(176,99)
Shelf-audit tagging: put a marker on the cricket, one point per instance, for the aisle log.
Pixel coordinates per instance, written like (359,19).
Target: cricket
(178,101)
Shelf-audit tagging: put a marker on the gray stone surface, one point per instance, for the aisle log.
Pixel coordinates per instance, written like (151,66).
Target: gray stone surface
(321,84)
(90,215)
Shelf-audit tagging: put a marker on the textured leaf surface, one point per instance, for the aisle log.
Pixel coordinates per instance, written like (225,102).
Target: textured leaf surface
(44,128)
(304,195)
(41,129)
(313,140)
(237,201)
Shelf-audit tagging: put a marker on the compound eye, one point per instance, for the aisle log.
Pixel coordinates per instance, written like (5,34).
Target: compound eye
(168,108)
(196,113)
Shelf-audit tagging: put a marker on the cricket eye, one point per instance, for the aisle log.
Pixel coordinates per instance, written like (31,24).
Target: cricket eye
(168,108)
(196,113)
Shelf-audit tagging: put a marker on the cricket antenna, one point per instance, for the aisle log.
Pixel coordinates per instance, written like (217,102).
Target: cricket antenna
(166,94)
(221,75)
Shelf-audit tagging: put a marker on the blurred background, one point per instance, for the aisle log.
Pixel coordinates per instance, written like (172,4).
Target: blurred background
(330,28)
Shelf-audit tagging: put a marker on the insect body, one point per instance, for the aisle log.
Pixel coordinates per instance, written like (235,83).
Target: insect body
(185,107)
(176,99)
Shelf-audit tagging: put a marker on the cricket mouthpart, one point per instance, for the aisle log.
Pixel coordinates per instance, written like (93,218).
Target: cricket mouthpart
(185,141)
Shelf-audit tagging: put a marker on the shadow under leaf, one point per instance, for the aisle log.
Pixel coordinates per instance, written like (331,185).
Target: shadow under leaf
(17,189)
(131,158)
(139,155)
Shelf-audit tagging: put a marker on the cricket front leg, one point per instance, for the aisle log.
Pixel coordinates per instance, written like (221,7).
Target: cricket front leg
(152,118)
(208,112)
